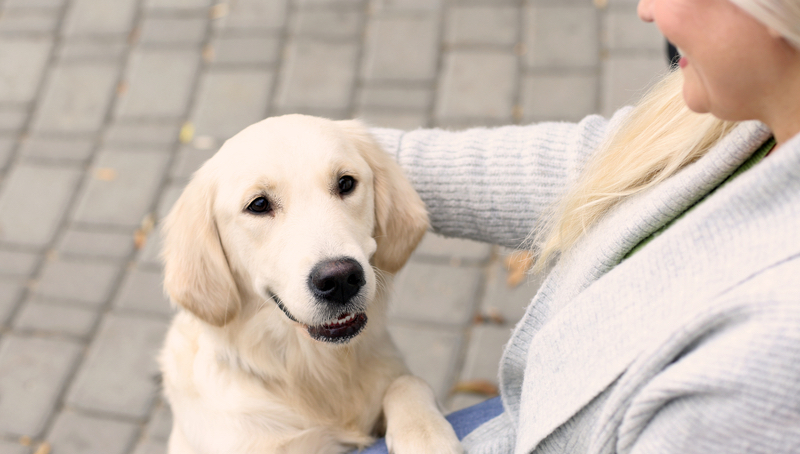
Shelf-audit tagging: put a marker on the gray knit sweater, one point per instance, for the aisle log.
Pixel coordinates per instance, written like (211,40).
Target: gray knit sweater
(692,345)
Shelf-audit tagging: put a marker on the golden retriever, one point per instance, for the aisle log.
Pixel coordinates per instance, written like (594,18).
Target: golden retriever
(279,253)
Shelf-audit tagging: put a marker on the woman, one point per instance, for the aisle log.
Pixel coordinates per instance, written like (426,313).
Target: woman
(670,322)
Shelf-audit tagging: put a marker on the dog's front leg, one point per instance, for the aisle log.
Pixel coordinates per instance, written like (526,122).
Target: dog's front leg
(414,424)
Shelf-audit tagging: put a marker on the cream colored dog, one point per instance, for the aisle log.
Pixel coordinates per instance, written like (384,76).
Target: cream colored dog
(280,252)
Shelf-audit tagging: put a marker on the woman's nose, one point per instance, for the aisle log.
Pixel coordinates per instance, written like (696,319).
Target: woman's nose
(645,10)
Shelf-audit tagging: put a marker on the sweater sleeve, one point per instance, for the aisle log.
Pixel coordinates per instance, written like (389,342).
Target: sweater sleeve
(494,185)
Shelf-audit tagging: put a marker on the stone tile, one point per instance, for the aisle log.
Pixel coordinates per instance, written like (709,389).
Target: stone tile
(627,78)
(561,36)
(17,264)
(151,447)
(10,293)
(13,118)
(75,433)
(334,23)
(483,25)
(509,302)
(230,100)
(150,255)
(76,49)
(625,30)
(97,244)
(26,188)
(72,149)
(76,97)
(418,99)
(245,49)
(430,353)
(402,48)
(163,133)
(34,3)
(435,293)
(253,15)
(6,149)
(486,346)
(317,75)
(142,290)
(23,65)
(7,447)
(177,4)
(14,20)
(188,160)
(159,83)
(394,6)
(400,120)
(171,30)
(160,424)
(100,17)
(118,375)
(477,84)
(454,249)
(121,187)
(559,97)
(81,281)
(168,198)
(53,318)
(32,373)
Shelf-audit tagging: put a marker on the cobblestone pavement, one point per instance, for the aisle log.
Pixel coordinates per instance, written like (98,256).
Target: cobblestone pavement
(94,95)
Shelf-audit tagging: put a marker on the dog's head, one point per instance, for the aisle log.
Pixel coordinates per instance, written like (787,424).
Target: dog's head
(296,210)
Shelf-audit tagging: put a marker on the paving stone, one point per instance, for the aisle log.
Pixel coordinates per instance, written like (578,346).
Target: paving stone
(188,160)
(54,318)
(435,293)
(482,361)
(6,148)
(332,23)
(150,255)
(32,374)
(159,133)
(76,49)
(12,118)
(626,78)
(34,3)
(159,83)
(121,187)
(170,30)
(27,189)
(100,17)
(168,198)
(559,97)
(118,374)
(81,281)
(558,36)
(430,353)
(393,6)
(112,245)
(72,149)
(230,100)
(10,293)
(454,249)
(253,14)
(477,84)
(160,425)
(17,264)
(509,302)
(400,120)
(75,433)
(23,65)
(625,30)
(7,447)
(177,4)
(402,48)
(76,97)
(151,447)
(143,290)
(318,75)
(16,20)
(418,99)
(483,25)
(246,49)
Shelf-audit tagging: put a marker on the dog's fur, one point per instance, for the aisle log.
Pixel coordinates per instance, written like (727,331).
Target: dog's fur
(241,371)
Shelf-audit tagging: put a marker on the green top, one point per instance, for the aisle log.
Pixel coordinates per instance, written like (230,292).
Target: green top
(750,162)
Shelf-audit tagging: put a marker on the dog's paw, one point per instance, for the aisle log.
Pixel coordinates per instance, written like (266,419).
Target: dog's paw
(429,436)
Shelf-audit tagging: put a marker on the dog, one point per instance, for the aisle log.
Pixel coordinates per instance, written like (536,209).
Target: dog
(279,255)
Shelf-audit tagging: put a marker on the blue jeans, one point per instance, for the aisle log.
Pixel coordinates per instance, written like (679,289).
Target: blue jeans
(463,422)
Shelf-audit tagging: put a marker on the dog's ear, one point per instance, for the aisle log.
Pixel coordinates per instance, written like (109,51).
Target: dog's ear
(196,271)
(401,218)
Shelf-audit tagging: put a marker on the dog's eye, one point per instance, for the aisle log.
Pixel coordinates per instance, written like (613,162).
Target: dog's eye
(346,184)
(259,205)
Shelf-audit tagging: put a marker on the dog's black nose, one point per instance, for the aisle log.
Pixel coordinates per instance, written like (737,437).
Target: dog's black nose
(336,280)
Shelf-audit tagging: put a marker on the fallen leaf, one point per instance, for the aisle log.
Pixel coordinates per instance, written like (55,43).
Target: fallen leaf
(141,234)
(204,142)
(44,448)
(481,387)
(187,132)
(518,265)
(25,440)
(600,4)
(105,174)
(208,53)
(122,88)
(489,316)
(220,10)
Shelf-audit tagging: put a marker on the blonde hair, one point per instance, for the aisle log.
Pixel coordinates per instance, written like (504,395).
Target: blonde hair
(659,137)
(783,16)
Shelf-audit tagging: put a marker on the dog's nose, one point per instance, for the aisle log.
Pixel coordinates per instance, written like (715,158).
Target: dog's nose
(336,280)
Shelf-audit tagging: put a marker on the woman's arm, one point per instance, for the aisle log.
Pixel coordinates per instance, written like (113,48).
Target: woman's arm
(494,185)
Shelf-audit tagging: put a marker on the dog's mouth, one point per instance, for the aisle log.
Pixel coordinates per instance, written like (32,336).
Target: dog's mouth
(341,330)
